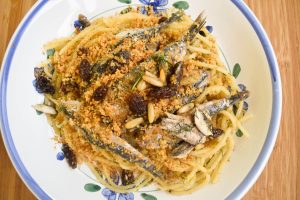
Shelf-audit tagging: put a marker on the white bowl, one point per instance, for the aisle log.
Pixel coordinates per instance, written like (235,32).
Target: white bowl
(27,136)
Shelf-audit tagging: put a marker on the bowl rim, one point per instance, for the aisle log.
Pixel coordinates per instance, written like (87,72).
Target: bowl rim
(254,172)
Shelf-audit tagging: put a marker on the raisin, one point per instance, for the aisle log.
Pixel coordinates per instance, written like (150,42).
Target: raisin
(163,93)
(127,177)
(43,85)
(70,156)
(84,21)
(137,104)
(100,93)
(85,70)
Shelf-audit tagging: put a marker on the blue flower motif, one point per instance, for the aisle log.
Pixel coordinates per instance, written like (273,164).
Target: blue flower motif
(60,156)
(109,194)
(242,87)
(155,4)
(210,29)
(127,196)
(245,106)
(78,25)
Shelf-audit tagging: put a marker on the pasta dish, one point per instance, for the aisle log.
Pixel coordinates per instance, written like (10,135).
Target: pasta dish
(141,99)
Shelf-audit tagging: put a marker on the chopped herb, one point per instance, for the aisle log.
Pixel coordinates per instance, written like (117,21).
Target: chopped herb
(137,81)
(239,133)
(181,5)
(159,59)
(64,110)
(182,127)
(50,52)
(236,70)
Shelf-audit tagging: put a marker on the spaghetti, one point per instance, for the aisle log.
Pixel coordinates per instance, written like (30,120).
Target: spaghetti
(142,99)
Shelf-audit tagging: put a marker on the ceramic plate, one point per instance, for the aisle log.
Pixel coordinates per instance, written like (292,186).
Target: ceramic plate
(27,136)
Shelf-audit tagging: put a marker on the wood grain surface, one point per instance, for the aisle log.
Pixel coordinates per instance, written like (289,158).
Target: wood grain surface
(281,178)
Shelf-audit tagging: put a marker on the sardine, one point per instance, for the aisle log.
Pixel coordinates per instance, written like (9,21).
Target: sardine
(176,51)
(196,131)
(172,54)
(134,35)
(215,106)
(183,128)
(182,150)
(117,146)
(202,82)
(203,122)
(123,149)
(147,33)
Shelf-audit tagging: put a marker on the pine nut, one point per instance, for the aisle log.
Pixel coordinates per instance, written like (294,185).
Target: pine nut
(186,108)
(133,123)
(162,76)
(150,74)
(153,81)
(151,113)
(141,85)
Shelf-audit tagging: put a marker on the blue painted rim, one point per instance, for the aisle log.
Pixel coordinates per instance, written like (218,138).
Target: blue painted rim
(269,143)
(244,185)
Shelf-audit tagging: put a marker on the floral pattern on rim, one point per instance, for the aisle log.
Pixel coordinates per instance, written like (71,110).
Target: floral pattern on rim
(156,4)
(60,155)
(111,195)
(184,5)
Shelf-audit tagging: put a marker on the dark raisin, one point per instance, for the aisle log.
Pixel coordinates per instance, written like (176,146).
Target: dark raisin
(137,104)
(163,93)
(70,156)
(43,85)
(127,177)
(162,19)
(217,132)
(84,21)
(202,33)
(100,93)
(85,70)
(124,54)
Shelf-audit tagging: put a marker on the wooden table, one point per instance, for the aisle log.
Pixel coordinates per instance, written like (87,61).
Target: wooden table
(281,177)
